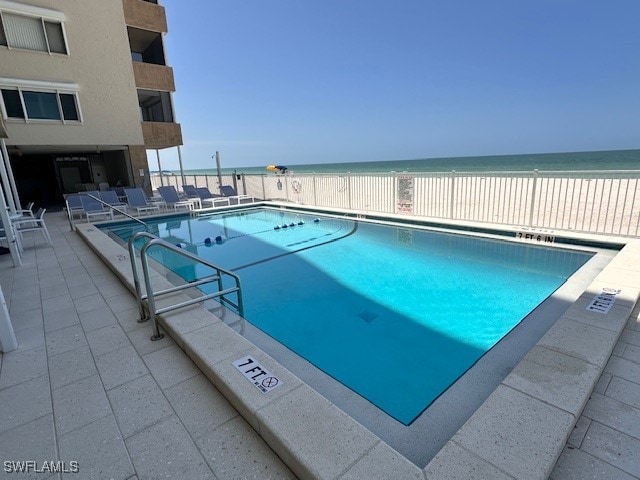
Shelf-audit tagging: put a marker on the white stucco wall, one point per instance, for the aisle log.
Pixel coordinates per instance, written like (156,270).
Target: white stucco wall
(99,62)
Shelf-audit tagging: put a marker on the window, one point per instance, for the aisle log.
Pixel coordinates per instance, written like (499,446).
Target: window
(12,103)
(32,33)
(34,105)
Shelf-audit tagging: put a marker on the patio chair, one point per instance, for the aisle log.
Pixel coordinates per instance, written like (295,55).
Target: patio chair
(27,212)
(137,201)
(74,206)
(229,192)
(111,197)
(35,224)
(206,197)
(171,198)
(93,207)
(190,191)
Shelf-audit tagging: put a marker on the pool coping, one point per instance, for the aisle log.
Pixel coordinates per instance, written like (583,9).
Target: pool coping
(316,439)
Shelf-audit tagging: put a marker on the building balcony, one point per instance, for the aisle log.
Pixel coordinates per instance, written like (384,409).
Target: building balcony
(145,15)
(161,134)
(153,77)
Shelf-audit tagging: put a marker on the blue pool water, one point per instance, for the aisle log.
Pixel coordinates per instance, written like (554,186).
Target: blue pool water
(395,314)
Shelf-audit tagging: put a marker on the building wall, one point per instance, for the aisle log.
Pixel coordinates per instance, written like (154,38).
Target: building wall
(99,62)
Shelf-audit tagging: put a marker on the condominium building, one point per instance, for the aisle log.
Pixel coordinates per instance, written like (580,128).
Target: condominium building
(85,92)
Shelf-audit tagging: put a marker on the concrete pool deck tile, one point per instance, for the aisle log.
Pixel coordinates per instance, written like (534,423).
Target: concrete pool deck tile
(71,366)
(29,319)
(65,339)
(578,465)
(79,403)
(524,446)
(120,366)
(97,319)
(586,342)
(54,291)
(138,404)
(170,366)
(227,447)
(58,303)
(383,462)
(614,320)
(122,302)
(624,391)
(614,447)
(21,365)
(632,353)
(554,378)
(456,463)
(579,431)
(90,303)
(165,450)
(624,368)
(24,402)
(107,339)
(284,424)
(614,414)
(99,450)
(209,345)
(603,383)
(59,319)
(128,320)
(630,336)
(34,440)
(30,337)
(625,277)
(200,407)
(186,320)
(241,393)
(140,338)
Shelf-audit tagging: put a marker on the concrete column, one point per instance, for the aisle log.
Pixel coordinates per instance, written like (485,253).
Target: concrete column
(8,340)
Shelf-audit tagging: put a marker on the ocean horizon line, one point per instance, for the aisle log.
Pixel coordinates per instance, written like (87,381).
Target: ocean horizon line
(600,160)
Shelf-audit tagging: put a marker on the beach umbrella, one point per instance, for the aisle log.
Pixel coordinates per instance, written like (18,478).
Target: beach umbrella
(277,168)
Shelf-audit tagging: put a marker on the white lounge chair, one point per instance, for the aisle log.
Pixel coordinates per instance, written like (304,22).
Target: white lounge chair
(137,201)
(92,206)
(171,198)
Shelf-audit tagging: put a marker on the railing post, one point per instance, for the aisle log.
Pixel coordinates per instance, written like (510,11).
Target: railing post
(533,196)
(349,189)
(315,190)
(452,194)
(264,191)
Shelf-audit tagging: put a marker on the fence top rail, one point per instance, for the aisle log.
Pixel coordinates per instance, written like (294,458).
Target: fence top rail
(503,173)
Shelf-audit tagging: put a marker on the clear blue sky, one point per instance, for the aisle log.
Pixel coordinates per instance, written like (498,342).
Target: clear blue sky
(295,82)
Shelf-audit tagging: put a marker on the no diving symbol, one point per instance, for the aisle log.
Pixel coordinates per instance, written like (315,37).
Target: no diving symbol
(269,382)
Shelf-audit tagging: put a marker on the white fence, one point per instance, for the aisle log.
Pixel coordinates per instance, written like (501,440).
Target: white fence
(605,202)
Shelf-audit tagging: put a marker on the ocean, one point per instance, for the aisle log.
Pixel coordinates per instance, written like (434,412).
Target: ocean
(575,161)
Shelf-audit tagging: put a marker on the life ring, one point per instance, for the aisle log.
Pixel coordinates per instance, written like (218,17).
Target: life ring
(297,186)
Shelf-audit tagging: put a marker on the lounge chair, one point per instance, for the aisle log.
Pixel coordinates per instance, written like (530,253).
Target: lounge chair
(35,224)
(111,197)
(74,206)
(171,198)
(190,191)
(206,197)
(92,207)
(137,201)
(229,192)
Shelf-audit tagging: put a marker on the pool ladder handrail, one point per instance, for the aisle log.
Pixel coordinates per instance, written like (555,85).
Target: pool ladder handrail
(150,296)
(112,207)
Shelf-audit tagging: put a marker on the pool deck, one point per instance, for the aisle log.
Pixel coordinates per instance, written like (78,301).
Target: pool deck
(86,384)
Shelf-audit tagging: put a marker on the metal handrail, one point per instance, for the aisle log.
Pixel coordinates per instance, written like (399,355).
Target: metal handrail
(151,295)
(112,207)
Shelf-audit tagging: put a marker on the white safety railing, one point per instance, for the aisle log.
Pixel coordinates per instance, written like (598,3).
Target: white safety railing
(603,202)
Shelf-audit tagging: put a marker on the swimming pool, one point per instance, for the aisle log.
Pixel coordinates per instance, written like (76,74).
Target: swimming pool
(396,314)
